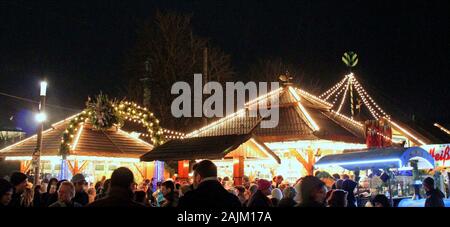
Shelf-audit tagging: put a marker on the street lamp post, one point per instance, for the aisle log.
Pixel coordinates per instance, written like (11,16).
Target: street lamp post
(40,118)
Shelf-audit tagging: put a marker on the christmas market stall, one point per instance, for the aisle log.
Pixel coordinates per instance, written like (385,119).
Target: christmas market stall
(394,171)
(93,143)
(308,128)
(234,155)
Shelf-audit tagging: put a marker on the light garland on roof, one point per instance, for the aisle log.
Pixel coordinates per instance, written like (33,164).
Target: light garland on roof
(442,128)
(338,94)
(333,89)
(123,110)
(302,108)
(376,111)
(237,113)
(313,97)
(345,95)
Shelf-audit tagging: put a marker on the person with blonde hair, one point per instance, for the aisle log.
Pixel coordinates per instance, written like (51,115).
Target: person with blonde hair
(27,196)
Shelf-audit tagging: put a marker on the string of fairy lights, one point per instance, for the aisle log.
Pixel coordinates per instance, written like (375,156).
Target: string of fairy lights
(375,110)
(128,111)
(341,89)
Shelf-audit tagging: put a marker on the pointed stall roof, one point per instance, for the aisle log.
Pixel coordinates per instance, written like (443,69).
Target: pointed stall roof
(88,142)
(302,116)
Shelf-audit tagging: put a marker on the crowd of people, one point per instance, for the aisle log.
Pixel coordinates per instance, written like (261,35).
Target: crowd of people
(206,190)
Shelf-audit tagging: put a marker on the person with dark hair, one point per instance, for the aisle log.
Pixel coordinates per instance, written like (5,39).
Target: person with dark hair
(6,192)
(277,180)
(349,186)
(66,192)
(19,182)
(37,196)
(289,194)
(141,198)
(435,198)
(336,176)
(337,180)
(380,200)
(98,187)
(208,192)
(50,196)
(260,199)
(240,193)
(170,196)
(81,195)
(119,193)
(249,193)
(104,189)
(313,192)
(338,198)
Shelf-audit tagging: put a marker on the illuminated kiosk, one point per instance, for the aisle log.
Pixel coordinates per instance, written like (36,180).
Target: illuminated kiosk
(241,152)
(95,153)
(389,160)
(309,127)
(93,143)
(306,130)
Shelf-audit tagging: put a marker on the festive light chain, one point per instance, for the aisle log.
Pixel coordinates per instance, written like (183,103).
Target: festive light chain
(356,123)
(370,98)
(313,97)
(237,113)
(367,104)
(442,128)
(345,96)
(338,94)
(132,113)
(334,88)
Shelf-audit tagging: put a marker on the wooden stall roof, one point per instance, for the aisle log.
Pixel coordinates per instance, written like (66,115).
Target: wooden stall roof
(210,147)
(292,125)
(109,143)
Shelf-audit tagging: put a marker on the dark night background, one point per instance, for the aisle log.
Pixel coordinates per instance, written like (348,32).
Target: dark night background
(80,46)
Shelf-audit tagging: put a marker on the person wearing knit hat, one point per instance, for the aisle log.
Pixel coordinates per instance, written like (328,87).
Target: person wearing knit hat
(6,191)
(276,196)
(19,182)
(260,199)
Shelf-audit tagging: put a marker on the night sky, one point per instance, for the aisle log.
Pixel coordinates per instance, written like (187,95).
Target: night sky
(80,47)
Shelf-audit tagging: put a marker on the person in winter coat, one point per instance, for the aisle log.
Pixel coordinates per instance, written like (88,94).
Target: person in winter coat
(288,198)
(435,198)
(6,192)
(19,182)
(313,192)
(208,192)
(66,192)
(170,195)
(276,196)
(349,186)
(50,196)
(260,199)
(81,195)
(119,193)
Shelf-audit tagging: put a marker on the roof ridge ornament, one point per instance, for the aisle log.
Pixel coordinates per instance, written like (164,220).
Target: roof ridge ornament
(286,78)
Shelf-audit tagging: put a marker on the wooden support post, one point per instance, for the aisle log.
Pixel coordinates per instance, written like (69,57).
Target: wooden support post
(73,167)
(238,170)
(83,166)
(139,169)
(183,169)
(25,166)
